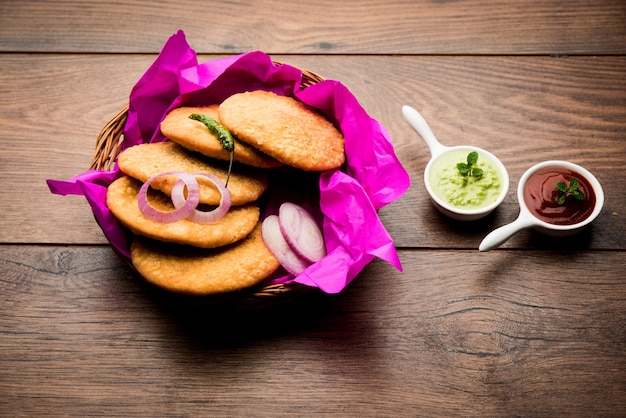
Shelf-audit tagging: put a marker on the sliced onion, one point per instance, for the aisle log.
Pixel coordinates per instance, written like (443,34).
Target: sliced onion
(199,216)
(301,232)
(180,212)
(276,243)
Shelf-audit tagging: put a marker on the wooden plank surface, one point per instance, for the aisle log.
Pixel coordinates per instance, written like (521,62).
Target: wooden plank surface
(525,110)
(493,335)
(535,328)
(327,26)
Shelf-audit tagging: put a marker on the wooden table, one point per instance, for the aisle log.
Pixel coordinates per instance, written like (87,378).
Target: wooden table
(534,328)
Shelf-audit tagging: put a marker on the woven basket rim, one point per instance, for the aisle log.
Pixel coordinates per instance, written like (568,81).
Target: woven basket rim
(109,145)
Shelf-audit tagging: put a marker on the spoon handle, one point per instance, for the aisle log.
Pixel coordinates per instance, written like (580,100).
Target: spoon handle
(419,124)
(498,236)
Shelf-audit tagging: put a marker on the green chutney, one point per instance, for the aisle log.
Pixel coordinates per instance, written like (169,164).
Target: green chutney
(465,192)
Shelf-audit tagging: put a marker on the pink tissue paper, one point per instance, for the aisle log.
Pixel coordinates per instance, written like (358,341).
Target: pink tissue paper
(349,198)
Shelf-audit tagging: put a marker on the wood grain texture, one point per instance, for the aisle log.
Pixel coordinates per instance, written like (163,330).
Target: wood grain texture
(328,27)
(499,334)
(523,109)
(535,328)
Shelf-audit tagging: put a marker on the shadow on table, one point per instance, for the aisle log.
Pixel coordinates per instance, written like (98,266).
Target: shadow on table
(472,233)
(213,326)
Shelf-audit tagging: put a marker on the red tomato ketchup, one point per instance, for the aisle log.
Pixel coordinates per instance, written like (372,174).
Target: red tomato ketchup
(540,196)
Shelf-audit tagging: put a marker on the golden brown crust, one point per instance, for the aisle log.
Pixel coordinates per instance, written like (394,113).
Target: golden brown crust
(202,272)
(194,136)
(122,202)
(284,128)
(147,160)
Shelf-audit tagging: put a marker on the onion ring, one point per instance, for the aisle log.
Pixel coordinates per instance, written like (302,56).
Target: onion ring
(198,216)
(180,212)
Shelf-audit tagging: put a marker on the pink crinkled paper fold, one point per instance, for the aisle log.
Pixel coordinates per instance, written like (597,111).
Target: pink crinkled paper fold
(349,198)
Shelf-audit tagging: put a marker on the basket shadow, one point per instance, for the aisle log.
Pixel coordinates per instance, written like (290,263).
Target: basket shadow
(206,325)
(197,325)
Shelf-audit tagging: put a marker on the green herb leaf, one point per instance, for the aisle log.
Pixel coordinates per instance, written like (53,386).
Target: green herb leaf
(477,172)
(578,195)
(571,190)
(463,168)
(562,187)
(472,158)
(469,169)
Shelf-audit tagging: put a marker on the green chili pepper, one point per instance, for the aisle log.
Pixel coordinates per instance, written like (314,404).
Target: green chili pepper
(223,135)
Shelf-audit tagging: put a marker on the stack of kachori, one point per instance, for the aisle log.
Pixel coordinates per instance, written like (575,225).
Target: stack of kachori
(184,256)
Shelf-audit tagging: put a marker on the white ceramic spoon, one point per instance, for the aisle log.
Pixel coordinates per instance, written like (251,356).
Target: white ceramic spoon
(526,219)
(419,124)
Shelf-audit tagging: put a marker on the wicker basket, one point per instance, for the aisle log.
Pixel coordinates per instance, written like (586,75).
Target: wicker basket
(108,147)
